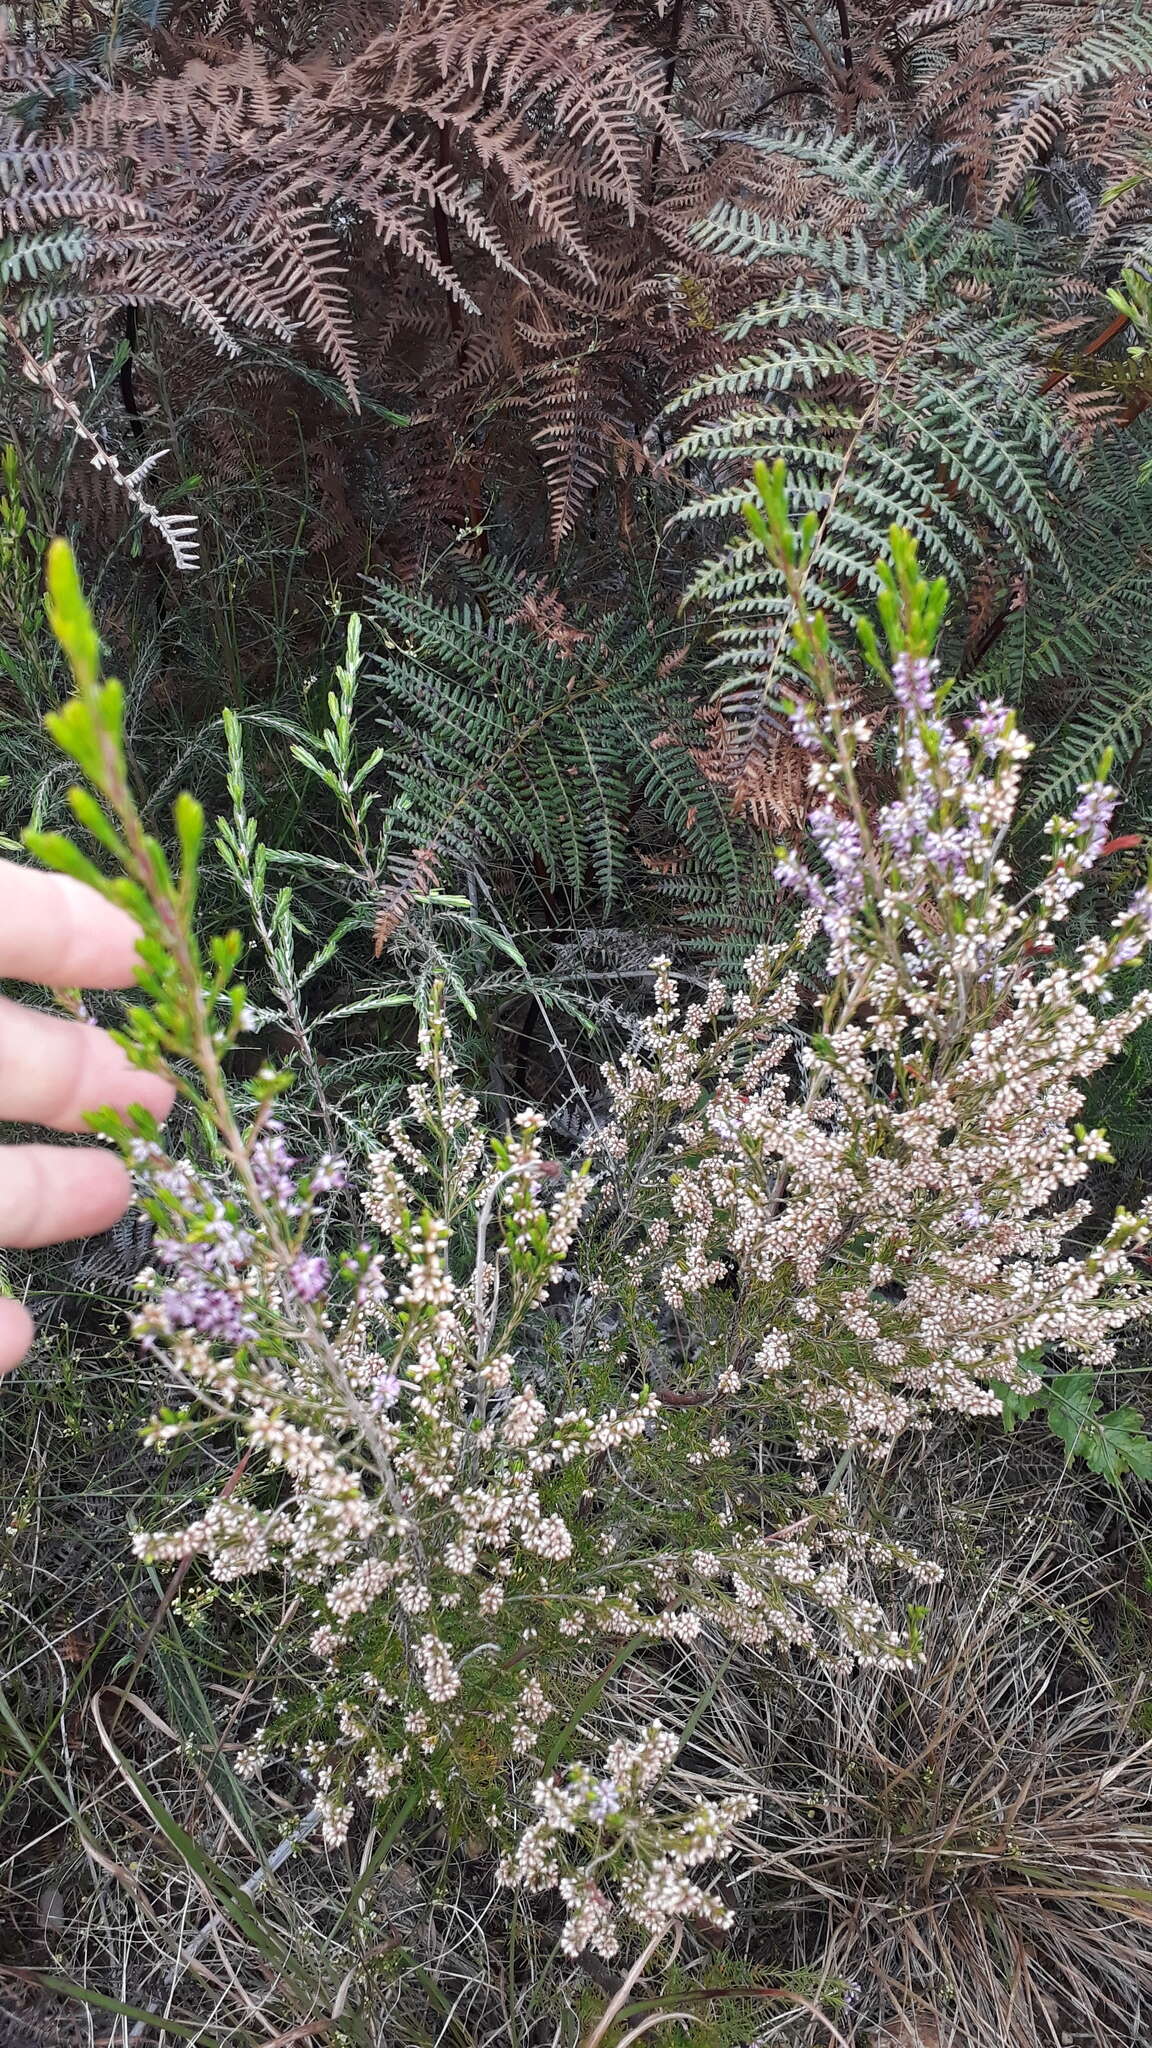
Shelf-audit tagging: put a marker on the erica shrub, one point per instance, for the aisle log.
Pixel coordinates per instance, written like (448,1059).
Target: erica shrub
(507,1421)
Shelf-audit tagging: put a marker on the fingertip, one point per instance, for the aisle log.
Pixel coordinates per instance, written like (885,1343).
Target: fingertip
(57,1072)
(17,1331)
(101,950)
(58,931)
(51,1193)
(99,1190)
(153,1093)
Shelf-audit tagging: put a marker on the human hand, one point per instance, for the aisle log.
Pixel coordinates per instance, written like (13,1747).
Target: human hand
(52,1072)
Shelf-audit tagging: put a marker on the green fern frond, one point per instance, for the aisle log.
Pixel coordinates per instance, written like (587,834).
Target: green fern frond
(28,259)
(545,751)
(897,377)
(1109,52)
(1079,664)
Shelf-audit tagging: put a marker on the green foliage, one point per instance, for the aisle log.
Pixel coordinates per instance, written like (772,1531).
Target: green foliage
(895,375)
(891,317)
(1112,1445)
(1078,659)
(40,273)
(728,2011)
(1134,302)
(559,745)
(197,1007)
(24,669)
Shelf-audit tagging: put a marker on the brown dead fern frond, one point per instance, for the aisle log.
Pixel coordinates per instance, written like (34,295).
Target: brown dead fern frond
(763,774)
(410,877)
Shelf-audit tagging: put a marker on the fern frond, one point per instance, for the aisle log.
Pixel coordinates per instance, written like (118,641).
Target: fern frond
(895,392)
(411,876)
(1122,47)
(525,734)
(1077,655)
(29,259)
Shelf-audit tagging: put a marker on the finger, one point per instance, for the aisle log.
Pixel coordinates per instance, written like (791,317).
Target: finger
(52,1192)
(16,1333)
(53,1071)
(59,931)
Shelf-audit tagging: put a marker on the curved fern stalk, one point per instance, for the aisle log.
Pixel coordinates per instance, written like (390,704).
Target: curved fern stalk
(177,530)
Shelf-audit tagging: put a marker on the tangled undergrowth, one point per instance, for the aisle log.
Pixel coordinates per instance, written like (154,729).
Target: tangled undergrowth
(600,1493)
(513,1433)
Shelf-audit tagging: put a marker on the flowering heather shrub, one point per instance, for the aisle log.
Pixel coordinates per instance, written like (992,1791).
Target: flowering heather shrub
(505,1419)
(613,1818)
(891,1188)
(453,1510)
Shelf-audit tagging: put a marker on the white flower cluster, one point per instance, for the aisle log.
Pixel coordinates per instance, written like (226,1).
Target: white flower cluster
(808,1587)
(647,1852)
(894,1188)
(852,1229)
(419,1456)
